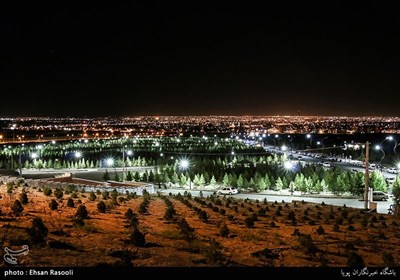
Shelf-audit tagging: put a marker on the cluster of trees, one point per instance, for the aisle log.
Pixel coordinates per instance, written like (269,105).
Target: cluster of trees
(146,151)
(261,173)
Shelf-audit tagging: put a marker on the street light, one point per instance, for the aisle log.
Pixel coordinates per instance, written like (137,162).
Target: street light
(129,153)
(110,162)
(379,148)
(391,138)
(184,165)
(288,165)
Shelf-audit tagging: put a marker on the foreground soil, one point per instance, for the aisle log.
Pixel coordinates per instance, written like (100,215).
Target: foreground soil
(283,235)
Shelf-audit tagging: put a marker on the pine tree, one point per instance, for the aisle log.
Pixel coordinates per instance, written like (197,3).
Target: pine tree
(279,184)
(202,180)
(129,176)
(226,180)
(136,177)
(213,182)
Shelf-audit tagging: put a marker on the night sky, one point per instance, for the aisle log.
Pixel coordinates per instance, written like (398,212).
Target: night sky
(134,58)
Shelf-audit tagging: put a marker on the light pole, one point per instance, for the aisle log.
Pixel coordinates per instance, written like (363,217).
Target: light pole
(289,166)
(379,148)
(308,136)
(184,165)
(391,138)
(20,160)
(123,163)
(366,176)
(110,163)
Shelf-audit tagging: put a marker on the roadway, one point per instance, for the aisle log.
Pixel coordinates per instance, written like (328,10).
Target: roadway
(382,206)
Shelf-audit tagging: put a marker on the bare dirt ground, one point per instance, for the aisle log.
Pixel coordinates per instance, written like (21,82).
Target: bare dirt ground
(283,235)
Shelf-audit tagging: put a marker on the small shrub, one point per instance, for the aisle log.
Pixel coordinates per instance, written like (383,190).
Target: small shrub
(92,196)
(17,207)
(24,198)
(137,238)
(355,260)
(128,214)
(230,217)
(37,232)
(74,195)
(374,219)
(82,212)
(58,193)
(350,228)
(203,216)
(291,215)
(296,232)
(307,244)
(134,222)
(336,228)
(311,223)
(53,204)
(249,222)
(272,224)
(70,202)
(47,191)
(339,220)
(101,206)
(105,195)
(320,230)
(388,260)
(224,231)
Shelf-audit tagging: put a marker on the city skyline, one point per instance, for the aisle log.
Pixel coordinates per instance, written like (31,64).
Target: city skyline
(201,58)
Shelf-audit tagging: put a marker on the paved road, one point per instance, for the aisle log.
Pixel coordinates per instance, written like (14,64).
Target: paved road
(85,170)
(382,206)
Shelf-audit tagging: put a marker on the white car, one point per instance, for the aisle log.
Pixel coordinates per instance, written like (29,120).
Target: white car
(326,164)
(377,195)
(228,191)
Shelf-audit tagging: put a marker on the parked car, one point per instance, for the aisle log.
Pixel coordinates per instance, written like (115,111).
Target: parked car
(378,195)
(392,170)
(227,191)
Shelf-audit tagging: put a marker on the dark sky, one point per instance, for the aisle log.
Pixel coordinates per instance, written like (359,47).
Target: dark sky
(200,57)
